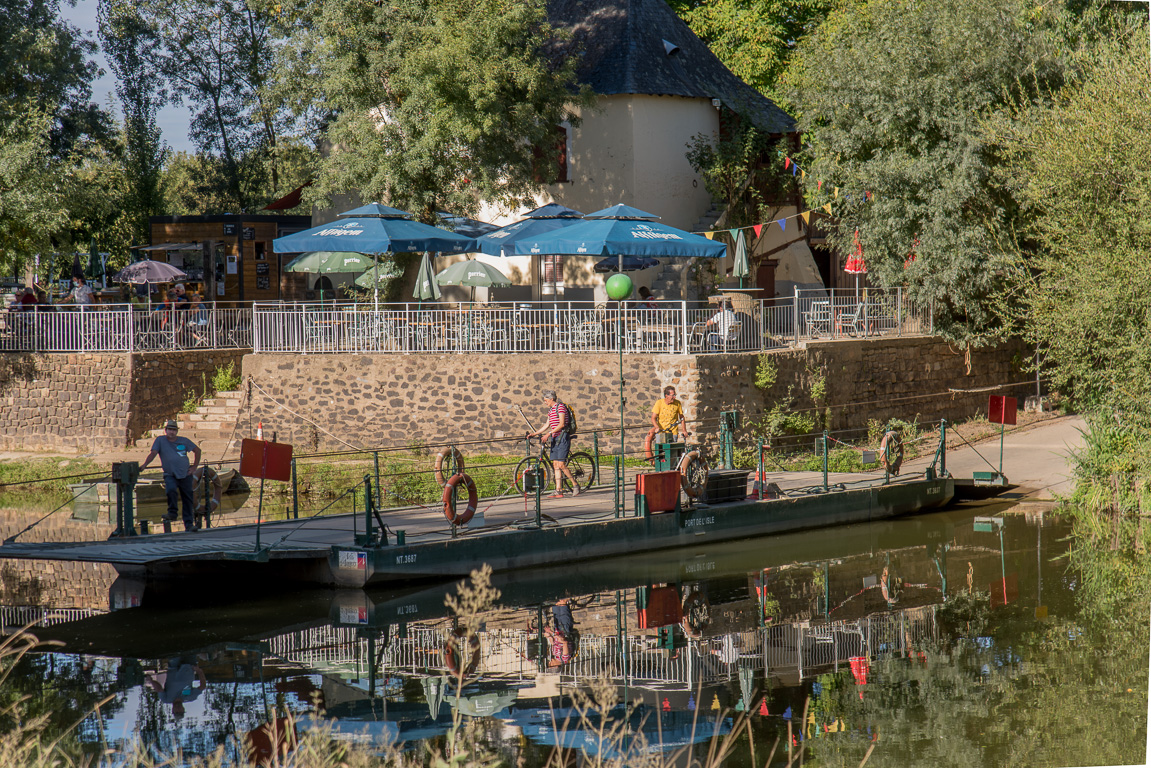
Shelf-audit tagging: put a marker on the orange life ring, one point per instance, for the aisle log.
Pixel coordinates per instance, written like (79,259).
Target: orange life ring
(453,656)
(454,517)
(457,457)
(891,451)
(648,454)
(693,490)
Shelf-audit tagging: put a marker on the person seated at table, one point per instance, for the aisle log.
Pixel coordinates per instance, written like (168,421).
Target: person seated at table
(179,297)
(646,300)
(81,294)
(199,317)
(719,324)
(28,299)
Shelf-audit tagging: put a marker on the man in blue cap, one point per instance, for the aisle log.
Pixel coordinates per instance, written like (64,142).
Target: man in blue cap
(173,451)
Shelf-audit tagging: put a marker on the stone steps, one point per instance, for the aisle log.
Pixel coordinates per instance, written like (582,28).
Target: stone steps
(212,426)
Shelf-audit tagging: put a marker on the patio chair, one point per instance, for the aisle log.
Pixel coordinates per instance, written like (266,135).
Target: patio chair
(696,335)
(725,341)
(817,318)
(364,333)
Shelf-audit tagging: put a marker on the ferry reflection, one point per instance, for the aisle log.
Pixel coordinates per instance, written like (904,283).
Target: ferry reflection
(686,639)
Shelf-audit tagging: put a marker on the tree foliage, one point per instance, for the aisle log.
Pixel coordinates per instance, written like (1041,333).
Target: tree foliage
(216,57)
(892,96)
(431,104)
(47,125)
(1083,171)
(755,39)
(129,45)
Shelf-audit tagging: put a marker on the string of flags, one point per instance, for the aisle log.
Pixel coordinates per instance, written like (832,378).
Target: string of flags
(805,216)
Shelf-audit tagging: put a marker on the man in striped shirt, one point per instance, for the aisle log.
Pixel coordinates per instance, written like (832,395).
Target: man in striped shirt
(557,432)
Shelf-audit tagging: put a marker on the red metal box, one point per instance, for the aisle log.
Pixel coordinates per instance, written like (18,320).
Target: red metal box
(660,488)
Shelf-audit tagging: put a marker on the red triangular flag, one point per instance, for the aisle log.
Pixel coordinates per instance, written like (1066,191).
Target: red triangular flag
(758,228)
(786,163)
(763,707)
(819,185)
(666,705)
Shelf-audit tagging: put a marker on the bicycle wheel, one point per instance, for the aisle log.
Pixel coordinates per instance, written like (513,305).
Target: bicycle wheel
(583,469)
(526,464)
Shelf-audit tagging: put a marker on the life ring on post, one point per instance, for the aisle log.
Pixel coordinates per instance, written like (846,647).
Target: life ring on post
(454,516)
(693,474)
(458,645)
(457,460)
(891,451)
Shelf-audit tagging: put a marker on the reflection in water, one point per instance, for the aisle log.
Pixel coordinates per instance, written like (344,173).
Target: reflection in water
(957,644)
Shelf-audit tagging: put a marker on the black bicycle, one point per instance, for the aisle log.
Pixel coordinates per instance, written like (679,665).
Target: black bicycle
(580,464)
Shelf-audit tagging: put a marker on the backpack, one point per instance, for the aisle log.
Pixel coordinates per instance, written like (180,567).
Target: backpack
(571,427)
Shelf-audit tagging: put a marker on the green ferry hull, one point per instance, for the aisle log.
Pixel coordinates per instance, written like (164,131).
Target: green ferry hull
(516,549)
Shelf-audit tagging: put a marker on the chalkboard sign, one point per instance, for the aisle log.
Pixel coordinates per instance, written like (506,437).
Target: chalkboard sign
(249,233)
(263,283)
(262,269)
(230,229)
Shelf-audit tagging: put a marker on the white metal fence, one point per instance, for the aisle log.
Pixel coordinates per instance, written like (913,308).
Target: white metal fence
(670,327)
(124,328)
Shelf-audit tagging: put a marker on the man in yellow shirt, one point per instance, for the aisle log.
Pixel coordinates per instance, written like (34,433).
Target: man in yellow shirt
(667,413)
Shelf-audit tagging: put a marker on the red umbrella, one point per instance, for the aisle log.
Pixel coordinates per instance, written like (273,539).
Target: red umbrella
(855,265)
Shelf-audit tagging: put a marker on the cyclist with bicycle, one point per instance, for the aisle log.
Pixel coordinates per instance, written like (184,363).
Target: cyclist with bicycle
(558,434)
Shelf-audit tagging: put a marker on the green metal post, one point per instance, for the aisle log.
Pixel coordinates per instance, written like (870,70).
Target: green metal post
(622,403)
(539,494)
(595,450)
(295,493)
(759,479)
(943,447)
(376,456)
(618,486)
(368,533)
(1002,429)
(825,488)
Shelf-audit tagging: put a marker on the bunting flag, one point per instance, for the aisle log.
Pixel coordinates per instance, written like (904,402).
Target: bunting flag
(758,228)
(819,185)
(763,707)
(827,209)
(709,235)
(794,168)
(715,702)
(837,193)
(666,705)
(787,163)
(734,234)
(806,216)
(782,224)
(691,703)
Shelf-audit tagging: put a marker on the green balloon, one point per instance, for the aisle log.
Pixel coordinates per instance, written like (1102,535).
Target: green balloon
(618,287)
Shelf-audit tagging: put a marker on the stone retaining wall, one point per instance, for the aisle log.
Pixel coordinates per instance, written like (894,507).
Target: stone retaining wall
(332,402)
(96,402)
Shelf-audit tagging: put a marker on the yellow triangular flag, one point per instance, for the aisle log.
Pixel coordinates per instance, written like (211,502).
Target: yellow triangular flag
(803,174)
(709,235)
(827,209)
(805,216)
(715,702)
(837,193)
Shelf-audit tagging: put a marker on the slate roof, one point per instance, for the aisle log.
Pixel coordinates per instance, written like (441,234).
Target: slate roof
(621,44)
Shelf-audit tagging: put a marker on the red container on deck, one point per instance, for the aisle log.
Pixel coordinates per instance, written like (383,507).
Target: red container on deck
(660,488)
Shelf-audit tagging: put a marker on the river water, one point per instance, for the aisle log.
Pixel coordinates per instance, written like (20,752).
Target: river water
(967,637)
